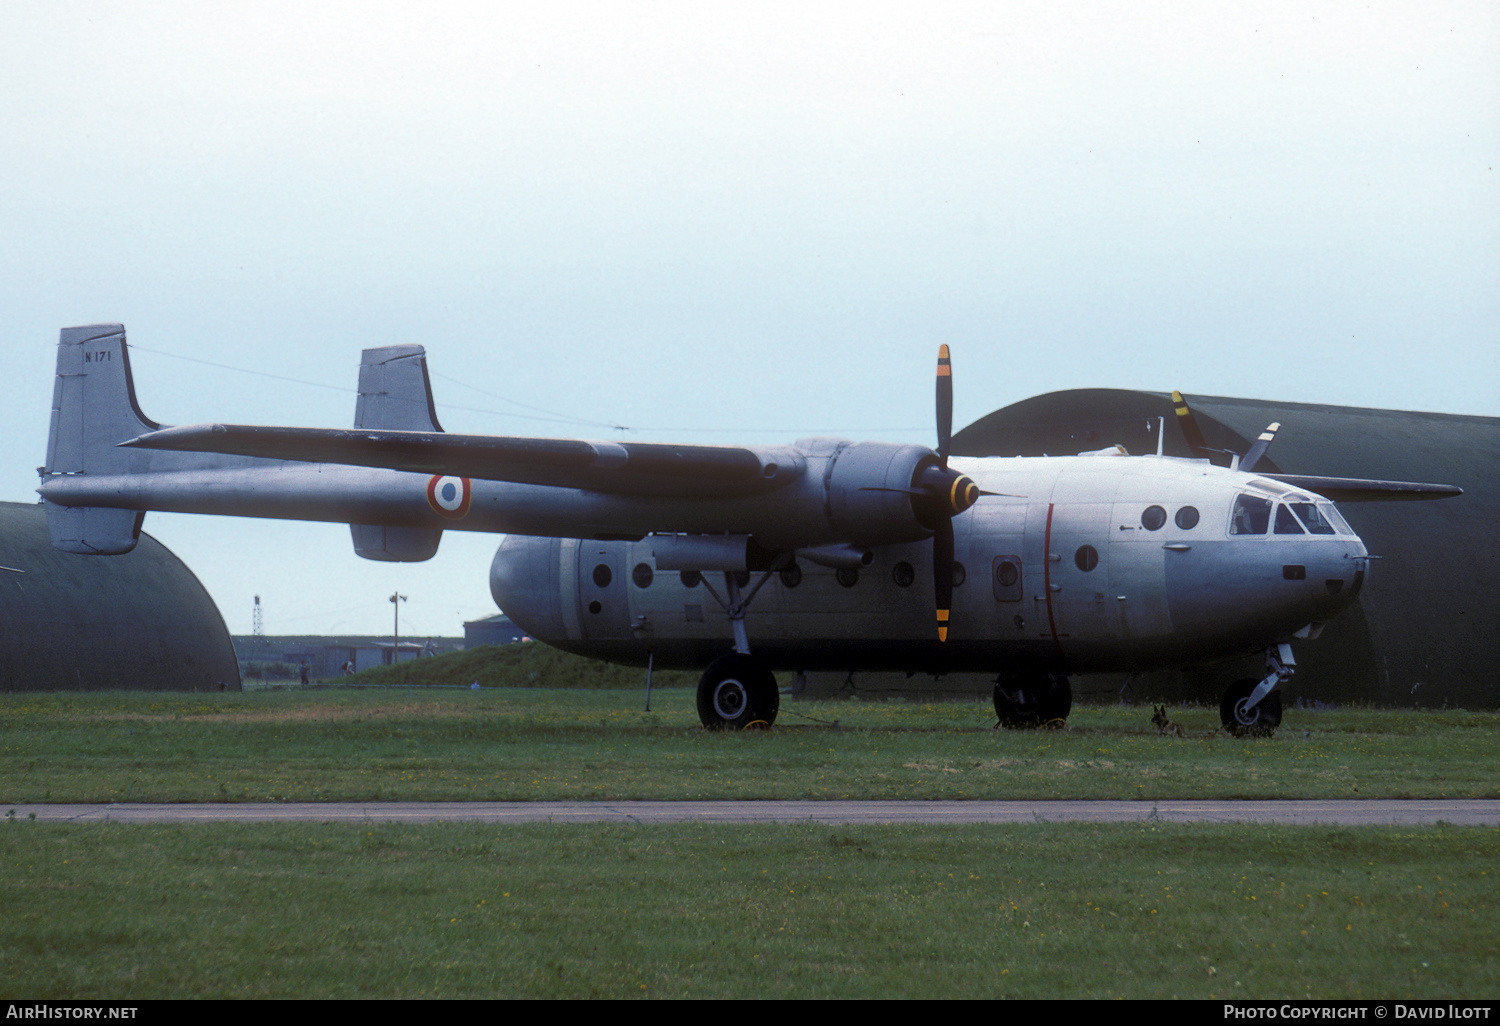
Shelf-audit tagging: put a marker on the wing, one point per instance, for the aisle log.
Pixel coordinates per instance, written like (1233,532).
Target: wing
(1356,489)
(629,468)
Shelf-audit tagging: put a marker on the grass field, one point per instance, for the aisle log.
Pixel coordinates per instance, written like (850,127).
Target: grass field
(523,744)
(464,910)
(467,910)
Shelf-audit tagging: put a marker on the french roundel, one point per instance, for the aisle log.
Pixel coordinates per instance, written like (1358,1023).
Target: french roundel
(449,496)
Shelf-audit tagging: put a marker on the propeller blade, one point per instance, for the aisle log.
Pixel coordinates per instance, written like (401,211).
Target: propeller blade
(944,405)
(1258,450)
(1189,424)
(942,574)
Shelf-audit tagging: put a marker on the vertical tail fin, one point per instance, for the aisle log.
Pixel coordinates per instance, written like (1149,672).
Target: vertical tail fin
(93,408)
(93,402)
(395,394)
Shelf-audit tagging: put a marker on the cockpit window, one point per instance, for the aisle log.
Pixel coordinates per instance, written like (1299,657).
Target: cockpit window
(1334,517)
(1311,515)
(1252,515)
(1286,523)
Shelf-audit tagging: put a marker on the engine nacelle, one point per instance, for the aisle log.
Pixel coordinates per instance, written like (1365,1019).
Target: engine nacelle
(879,493)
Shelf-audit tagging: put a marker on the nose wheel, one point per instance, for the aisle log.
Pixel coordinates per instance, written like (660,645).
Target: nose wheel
(1243,720)
(1252,708)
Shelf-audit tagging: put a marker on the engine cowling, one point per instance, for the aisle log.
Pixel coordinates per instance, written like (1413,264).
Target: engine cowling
(879,493)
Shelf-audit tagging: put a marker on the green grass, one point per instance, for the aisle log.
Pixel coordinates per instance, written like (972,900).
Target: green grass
(1146,909)
(528,666)
(465,910)
(383,744)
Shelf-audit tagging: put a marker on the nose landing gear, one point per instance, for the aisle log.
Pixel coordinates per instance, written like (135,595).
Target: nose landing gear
(1251,708)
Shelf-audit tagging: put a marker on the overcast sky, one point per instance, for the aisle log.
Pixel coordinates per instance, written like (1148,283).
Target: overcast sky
(737,222)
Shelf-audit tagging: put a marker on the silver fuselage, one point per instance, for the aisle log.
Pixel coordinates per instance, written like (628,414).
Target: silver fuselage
(1080,564)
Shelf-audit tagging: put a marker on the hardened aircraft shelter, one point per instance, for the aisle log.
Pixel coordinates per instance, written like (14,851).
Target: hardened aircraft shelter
(98,623)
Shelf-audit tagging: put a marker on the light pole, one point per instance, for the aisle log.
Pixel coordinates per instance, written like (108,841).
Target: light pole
(396,625)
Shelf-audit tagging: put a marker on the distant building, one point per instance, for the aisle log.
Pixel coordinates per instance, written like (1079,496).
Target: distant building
(492,630)
(326,657)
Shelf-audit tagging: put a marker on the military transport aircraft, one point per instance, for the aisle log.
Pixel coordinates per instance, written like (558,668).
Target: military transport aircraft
(823,550)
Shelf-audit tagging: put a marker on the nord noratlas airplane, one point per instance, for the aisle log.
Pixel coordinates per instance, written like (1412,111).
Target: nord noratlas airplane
(820,555)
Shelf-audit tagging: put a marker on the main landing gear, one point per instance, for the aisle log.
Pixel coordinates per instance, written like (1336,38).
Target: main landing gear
(737,691)
(1033,699)
(1252,708)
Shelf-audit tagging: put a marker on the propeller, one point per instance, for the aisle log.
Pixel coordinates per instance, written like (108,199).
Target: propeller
(1193,435)
(961,493)
(1189,424)
(939,494)
(1256,451)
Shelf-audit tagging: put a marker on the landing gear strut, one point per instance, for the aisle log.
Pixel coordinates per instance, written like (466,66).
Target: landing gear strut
(1032,700)
(737,691)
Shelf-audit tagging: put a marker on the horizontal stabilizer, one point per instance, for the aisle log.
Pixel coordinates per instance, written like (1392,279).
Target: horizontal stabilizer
(1354,489)
(630,467)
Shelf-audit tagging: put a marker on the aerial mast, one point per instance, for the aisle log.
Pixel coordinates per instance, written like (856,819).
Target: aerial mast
(396,626)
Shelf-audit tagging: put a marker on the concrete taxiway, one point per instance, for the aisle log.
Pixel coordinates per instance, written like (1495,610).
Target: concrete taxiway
(1478,812)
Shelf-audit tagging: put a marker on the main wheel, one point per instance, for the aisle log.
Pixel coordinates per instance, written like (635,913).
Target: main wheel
(1261,721)
(735,691)
(1032,700)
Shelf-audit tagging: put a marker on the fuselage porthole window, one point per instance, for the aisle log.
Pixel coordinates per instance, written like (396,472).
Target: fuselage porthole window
(642,575)
(602,575)
(1087,557)
(903,574)
(1153,518)
(1187,517)
(691,578)
(847,576)
(1005,575)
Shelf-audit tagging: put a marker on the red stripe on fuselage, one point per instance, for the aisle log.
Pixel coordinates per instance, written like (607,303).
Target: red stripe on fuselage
(1047,578)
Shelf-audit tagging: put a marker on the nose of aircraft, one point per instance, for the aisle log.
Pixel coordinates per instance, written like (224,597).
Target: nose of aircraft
(1318,578)
(524,582)
(1253,589)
